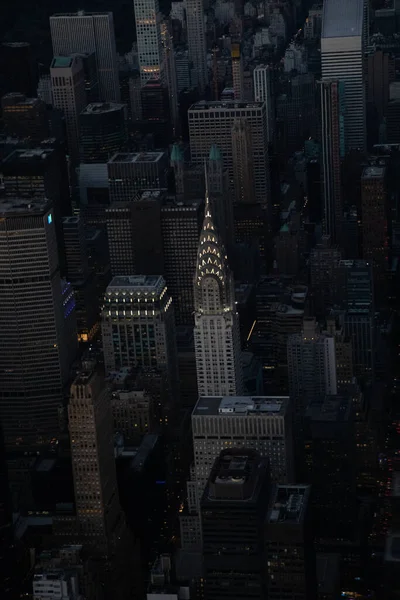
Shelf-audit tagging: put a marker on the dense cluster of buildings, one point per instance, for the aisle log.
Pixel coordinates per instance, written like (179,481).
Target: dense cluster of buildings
(199,286)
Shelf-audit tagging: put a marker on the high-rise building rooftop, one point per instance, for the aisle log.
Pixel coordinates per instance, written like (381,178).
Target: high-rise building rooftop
(341,18)
(289,504)
(241,405)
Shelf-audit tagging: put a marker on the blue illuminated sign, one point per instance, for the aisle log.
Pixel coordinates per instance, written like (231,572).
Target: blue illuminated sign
(49,218)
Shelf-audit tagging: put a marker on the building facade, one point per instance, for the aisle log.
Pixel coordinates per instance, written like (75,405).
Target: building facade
(216,333)
(211,123)
(243,172)
(89,32)
(196,36)
(103,131)
(148,30)
(37,320)
(262,84)
(342,57)
(333,151)
(139,327)
(69,95)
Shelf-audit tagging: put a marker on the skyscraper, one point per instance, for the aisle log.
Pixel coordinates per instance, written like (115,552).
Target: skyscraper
(181,225)
(100,521)
(375,242)
(103,131)
(69,95)
(342,56)
(148,30)
(131,172)
(233,509)
(237,71)
(25,117)
(220,196)
(333,151)
(139,327)
(196,37)
(355,296)
(170,71)
(289,547)
(262,83)
(35,319)
(311,365)
(243,173)
(217,337)
(211,123)
(89,32)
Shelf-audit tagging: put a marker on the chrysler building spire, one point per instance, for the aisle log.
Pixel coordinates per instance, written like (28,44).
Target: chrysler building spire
(217,338)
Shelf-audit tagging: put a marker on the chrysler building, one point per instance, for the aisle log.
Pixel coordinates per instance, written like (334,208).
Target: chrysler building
(216,332)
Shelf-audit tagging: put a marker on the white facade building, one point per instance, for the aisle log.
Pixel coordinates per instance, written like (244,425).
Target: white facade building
(89,32)
(342,58)
(148,30)
(263,93)
(138,325)
(196,36)
(56,585)
(216,331)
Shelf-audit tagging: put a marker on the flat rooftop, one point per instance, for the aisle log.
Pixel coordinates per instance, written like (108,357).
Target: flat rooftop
(17,206)
(289,504)
(341,18)
(241,406)
(137,283)
(334,409)
(224,105)
(96,108)
(62,62)
(32,155)
(392,548)
(136,157)
(373,172)
(80,13)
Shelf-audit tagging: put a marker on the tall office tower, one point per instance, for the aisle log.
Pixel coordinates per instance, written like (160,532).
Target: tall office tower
(100,521)
(148,32)
(82,279)
(40,172)
(324,259)
(181,226)
(262,84)
(17,70)
(139,332)
(330,445)
(220,197)
(25,117)
(156,109)
(177,161)
(344,354)
(233,509)
(333,151)
(132,249)
(170,72)
(89,32)
(243,173)
(211,123)
(381,72)
(342,58)
(120,238)
(103,131)
(197,43)
(69,95)
(36,312)
(289,547)
(311,365)
(129,173)
(217,336)
(375,242)
(355,295)
(237,71)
